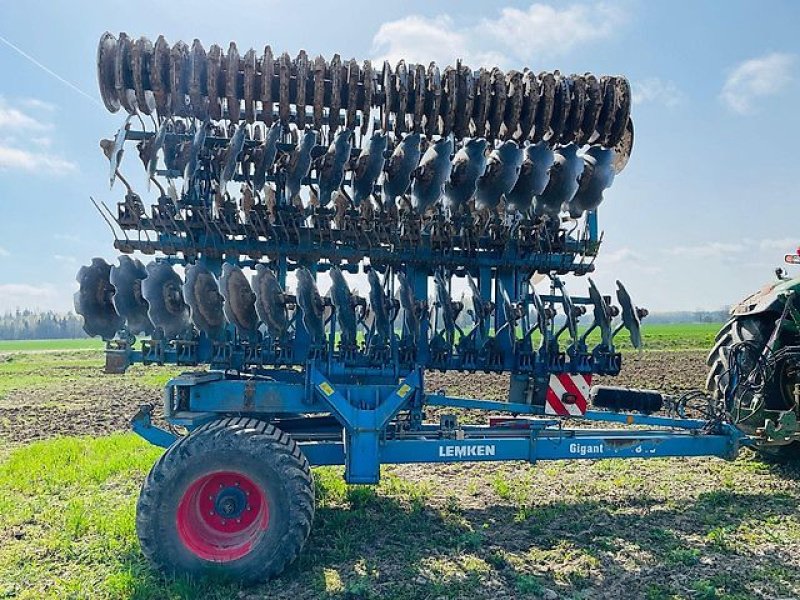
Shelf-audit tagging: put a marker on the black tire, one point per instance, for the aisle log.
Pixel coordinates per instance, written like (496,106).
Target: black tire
(265,497)
(756,329)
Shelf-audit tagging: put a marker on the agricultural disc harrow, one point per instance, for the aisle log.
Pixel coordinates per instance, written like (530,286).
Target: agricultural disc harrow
(431,201)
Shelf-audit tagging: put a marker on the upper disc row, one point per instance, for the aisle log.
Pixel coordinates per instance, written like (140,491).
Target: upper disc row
(148,78)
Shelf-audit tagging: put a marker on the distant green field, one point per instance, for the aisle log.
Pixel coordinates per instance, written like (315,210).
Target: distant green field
(40,345)
(657,336)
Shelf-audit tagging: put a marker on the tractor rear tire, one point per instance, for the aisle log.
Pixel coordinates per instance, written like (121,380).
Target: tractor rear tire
(756,329)
(234,498)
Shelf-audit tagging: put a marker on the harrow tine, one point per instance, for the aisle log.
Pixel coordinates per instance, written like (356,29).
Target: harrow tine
(445,302)
(631,316)
(598,175)
(114,149)
(267,152)
(368,167)
(431,175)
(469,164)
(603,313)
(232,155)
(399,168)
(299,163)
(502,171)
(533,177)
(333,164)
(563,183)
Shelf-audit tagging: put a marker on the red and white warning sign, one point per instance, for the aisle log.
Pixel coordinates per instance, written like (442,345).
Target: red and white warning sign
(567,395)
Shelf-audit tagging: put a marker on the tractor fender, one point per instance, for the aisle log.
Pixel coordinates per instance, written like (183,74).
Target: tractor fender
(769,298)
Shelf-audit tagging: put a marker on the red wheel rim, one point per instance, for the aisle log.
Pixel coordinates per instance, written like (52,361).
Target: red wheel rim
(221,515)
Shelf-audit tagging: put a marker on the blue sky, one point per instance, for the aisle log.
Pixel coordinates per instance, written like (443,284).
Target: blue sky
(699,218)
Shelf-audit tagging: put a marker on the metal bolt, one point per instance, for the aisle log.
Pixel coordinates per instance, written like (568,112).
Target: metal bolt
(249,507)
(236,484)
(247,493)
(211,513)
(238,520)
(222,522)
(211,497)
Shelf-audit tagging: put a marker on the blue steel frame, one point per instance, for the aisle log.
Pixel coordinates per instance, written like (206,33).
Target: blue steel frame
(363,406)
(366,432)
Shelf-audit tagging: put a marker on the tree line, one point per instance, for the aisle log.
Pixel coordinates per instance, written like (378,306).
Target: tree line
(36,325)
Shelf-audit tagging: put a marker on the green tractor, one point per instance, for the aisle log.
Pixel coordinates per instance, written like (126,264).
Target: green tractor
(754,366)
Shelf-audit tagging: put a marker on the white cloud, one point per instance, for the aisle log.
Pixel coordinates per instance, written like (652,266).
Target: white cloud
(4,252)
(17,143)
(655,90)
(757,78)
(522,35)
(12,118)
(705,250)
(542,30)
(17,159)
(23,295)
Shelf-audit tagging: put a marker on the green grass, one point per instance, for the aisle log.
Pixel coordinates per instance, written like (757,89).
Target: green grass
(43,345)
(67,531)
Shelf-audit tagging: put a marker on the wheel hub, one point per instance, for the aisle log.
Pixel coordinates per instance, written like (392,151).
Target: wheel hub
(221,514)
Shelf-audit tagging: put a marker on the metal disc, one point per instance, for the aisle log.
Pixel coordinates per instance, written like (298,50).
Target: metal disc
(466,99)
(483,102)
(267,68)
(401,81)
(201,292)
(622,113)
(320,67)
(93,300)
(198,80)
(142,55)
(311,306)
(369,81)
(544,109)
(591,111)
(106,60)
(123,74)
(572,128)
(179,78)
(353,75)
(214,71)
(284,77)
(231,79)
(530,99)
(163,291)
(418,93)
(301,70)
(623,149)
(433,101)
(159,76)
(270,302)
(335,71)
(498,106)
(515,90)
(561,105)
(250,85)
(449,100)
(605,120)
(128,301)
(240,301)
